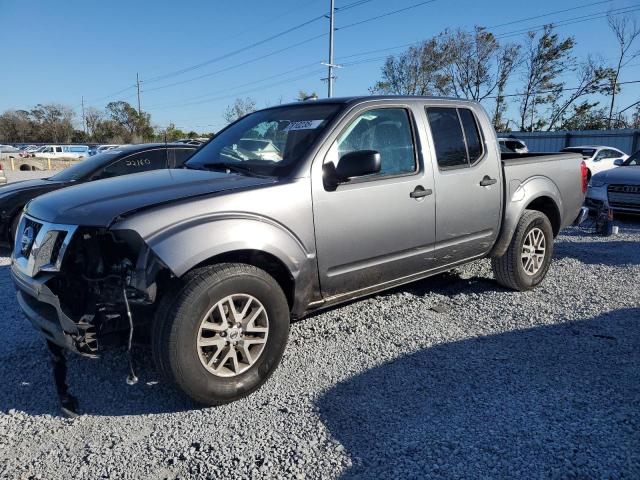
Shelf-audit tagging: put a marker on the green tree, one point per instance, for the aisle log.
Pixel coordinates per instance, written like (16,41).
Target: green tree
(240,108)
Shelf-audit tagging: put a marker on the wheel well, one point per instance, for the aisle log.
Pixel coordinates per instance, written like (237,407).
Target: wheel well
(265,261)
(25,168)
(547,206)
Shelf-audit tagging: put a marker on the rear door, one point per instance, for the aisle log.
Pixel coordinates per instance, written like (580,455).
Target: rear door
(374,229)
(468,182)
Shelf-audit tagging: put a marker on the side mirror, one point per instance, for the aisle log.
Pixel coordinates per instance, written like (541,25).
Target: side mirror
(357,164)
(352,164)
(618,162)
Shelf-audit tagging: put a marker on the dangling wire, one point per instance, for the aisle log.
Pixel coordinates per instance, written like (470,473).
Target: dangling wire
(131,378)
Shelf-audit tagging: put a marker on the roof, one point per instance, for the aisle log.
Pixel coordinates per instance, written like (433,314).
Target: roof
(365,98)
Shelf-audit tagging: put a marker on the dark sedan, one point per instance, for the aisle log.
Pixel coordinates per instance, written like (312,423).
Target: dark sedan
(112,163)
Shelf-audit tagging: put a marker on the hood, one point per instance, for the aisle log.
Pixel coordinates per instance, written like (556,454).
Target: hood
(626,175)
(15,187)
(99,203)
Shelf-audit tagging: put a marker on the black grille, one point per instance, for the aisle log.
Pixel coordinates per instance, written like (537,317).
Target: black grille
(624,196)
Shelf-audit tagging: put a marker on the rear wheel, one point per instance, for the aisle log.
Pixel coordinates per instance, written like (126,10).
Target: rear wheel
(526,262)
(223,334)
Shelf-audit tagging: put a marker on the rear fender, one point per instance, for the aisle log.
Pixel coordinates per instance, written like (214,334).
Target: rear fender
(519,195)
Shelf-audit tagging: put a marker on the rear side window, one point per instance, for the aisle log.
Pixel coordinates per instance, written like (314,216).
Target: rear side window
(138,162)
(181,155)
(472,135)
(456,136)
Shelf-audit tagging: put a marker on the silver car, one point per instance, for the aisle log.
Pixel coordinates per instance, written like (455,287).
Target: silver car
(618,189)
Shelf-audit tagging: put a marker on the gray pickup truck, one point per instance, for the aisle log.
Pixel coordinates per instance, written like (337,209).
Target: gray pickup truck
(286,211)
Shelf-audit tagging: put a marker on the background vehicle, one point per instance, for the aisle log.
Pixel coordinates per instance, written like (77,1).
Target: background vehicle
(8,149)
(513,145)
(63,151)
(215,259)
(598,158)
(132,159)
(618,189)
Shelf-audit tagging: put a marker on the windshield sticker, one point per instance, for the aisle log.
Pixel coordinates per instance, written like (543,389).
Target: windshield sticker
(303,125)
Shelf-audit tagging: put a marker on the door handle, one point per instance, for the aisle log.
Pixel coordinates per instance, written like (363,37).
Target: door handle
(420,192)
(487,180)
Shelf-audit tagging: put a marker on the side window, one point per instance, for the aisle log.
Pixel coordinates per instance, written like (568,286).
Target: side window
(471,134)
(58,149)
(602,154)
(447,135)
(613,154)
(386,130)
(181,155)
(456,136)
(138,162)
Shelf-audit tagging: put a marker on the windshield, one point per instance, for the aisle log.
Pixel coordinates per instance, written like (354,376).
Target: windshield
(633,160)
(268,142)
(86,167)
(585,152)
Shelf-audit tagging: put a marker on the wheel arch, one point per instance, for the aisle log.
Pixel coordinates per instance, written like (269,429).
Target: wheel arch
(537,193)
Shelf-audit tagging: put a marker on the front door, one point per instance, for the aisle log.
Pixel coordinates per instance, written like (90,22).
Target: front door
(377,228)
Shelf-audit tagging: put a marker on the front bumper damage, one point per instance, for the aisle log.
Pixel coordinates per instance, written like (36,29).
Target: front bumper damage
(72,283)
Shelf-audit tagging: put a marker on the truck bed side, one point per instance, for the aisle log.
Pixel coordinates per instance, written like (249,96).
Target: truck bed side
(550,183)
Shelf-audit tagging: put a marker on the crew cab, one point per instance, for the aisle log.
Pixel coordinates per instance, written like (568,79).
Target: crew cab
(215,259)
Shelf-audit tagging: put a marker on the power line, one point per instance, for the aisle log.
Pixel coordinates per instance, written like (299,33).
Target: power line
(236,94)
(564,89)
(548,14)
(387,14)
(250,46)
(206,95)
(237,65)
(584,18)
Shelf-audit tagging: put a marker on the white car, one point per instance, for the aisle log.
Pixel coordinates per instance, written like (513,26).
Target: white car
(510,144)
(62,151)
(598,158)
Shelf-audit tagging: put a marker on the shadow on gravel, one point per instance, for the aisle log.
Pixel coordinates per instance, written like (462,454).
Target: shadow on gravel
(550,402)
(99,384)
(612,252)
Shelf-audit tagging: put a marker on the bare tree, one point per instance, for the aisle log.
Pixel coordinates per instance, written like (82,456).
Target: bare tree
(626,33)
(545,58)
(476,63)
(240,108)
(593,78)
(417,71)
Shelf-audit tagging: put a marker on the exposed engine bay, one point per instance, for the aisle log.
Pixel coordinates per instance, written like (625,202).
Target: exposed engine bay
(102,282)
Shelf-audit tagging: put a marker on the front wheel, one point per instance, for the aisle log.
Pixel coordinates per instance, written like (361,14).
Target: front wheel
(526,262)
(223,334)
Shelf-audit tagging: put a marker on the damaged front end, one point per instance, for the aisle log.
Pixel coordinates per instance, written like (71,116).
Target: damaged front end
(78,285)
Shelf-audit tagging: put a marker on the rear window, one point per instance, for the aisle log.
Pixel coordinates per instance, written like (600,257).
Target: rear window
(585,152)
(456,136)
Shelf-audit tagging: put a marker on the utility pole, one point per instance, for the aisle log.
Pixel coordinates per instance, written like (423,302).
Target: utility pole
(138,86)
(84,123)
(330,77)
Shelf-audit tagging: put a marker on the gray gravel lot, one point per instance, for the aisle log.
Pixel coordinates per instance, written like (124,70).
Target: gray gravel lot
(495,384)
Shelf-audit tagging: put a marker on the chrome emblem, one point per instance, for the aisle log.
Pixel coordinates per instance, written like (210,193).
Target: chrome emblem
(27,240)
(630,189)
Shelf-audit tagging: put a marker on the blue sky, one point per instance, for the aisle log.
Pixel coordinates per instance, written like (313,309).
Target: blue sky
(58,51)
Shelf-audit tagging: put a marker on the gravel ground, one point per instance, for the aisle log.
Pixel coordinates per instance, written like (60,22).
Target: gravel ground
(452,377)
(15,176)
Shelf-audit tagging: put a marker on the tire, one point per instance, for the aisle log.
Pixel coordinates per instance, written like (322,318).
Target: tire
(509,269)
(179,326)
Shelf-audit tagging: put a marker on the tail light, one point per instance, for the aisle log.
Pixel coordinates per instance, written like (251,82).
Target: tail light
(583,171)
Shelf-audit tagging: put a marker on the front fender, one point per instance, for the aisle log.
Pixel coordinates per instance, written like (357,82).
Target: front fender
(187,244)
(518,196)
